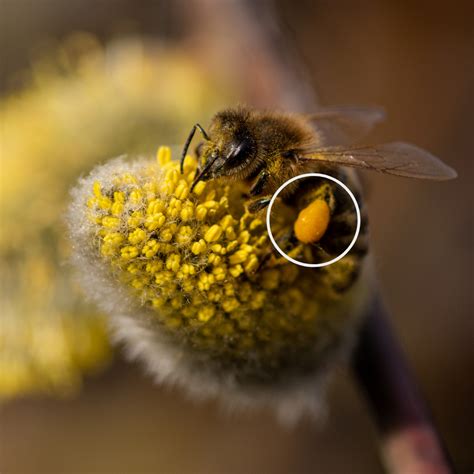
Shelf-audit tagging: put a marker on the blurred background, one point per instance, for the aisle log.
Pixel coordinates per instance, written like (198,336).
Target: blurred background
(85,80)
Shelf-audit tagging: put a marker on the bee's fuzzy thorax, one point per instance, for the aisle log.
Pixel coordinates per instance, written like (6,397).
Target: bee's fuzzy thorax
(180,276)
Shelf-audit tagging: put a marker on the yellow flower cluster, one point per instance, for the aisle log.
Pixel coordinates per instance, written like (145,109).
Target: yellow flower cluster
(66,120)
(201,262)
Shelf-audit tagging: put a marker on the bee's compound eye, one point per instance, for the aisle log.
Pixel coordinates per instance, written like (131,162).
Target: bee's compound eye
(312,222)
(238,151)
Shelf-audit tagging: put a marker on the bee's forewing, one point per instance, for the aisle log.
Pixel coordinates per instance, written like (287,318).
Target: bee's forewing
(400,159)
(344,125)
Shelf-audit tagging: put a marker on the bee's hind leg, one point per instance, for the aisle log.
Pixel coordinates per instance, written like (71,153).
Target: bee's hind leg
(282,241)
(286,242)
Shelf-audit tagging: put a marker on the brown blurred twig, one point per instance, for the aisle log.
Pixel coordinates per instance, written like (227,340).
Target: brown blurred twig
(243,38)
(408,440)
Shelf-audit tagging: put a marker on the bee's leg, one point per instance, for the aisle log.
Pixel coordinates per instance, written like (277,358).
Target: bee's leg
(325,192)
(265,259)
(286,242)
(259,204)
(289,245)
(281,240)
(259,183)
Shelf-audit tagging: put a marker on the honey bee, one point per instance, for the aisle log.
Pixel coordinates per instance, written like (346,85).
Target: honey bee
(265,149)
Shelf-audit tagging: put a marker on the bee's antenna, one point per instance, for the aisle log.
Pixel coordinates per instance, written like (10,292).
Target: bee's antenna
(188,142)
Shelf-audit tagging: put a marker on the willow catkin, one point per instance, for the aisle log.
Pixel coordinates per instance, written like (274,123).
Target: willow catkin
(181,275)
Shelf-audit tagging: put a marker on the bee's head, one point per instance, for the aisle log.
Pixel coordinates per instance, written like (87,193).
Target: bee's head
(230,149)
(228,158)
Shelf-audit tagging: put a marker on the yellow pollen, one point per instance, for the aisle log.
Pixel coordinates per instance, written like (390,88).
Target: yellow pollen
(206,313)
(199,188)
(163,155)
(213,234)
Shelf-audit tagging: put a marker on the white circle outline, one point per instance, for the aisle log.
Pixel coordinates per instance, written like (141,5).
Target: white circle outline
(313,175)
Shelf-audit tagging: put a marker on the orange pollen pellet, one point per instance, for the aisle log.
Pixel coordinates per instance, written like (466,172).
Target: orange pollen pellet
(312,222)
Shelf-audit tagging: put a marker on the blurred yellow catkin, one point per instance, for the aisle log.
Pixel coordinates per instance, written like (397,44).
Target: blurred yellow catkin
(83,105)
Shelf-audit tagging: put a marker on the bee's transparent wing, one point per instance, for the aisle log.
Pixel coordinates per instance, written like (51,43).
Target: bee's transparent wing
(344,125)
(400,159)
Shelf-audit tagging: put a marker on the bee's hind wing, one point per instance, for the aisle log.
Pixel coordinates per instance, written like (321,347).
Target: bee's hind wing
(398,158)
(344,125)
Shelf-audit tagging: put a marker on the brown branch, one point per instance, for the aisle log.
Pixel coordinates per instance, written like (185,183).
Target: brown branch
(409,441)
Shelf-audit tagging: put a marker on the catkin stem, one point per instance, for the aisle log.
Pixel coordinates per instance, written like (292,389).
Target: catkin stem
(409,442)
